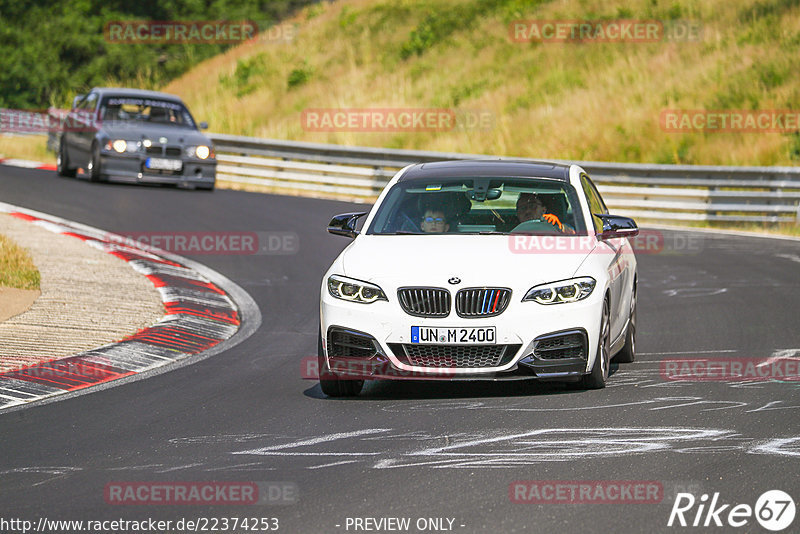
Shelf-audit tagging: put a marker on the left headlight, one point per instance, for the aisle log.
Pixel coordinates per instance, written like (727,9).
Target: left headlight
(345,288)
(571,290)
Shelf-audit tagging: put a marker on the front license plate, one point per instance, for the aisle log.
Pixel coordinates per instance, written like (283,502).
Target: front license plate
(162,164)
(453,336)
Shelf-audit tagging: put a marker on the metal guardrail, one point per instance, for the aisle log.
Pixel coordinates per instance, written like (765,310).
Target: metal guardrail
(646,191)
(664,192)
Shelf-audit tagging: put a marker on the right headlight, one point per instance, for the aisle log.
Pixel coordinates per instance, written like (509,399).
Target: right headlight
(571,290)
(121,145)
(199,152)
(353,290)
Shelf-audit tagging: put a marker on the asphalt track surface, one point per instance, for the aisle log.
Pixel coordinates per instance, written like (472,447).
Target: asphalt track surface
(411,449)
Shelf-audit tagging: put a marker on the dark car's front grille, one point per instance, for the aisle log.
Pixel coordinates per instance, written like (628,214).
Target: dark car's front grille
(350,344)
(449,356)
(560,346)
(424,301)
(482,301)
(163,150)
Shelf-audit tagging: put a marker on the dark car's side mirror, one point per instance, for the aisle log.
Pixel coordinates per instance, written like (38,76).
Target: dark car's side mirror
(204,125)
(617,226)
(345,224)
(77,99)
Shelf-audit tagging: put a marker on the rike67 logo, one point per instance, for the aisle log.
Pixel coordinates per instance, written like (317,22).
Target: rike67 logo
(774,510)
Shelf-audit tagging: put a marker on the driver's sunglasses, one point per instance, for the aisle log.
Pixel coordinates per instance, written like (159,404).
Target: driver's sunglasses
(438,220)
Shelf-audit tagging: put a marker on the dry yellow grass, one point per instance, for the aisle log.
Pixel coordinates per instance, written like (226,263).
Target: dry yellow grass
(16,266)
(568,101)
(591,101)
(30,147)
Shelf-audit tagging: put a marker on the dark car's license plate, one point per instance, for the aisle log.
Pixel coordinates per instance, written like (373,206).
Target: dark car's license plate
(162,164)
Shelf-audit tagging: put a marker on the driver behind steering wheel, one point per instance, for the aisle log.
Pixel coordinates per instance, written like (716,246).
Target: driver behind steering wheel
(531,208)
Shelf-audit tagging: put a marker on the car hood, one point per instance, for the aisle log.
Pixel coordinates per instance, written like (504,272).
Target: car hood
(477,260)
(139,130)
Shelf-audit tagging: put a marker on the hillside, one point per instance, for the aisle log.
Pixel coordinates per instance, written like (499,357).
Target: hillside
(52,49)
(587,101)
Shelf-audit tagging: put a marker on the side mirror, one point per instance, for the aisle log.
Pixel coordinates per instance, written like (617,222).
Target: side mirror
(345,224)
(617,226)
(204,125)
(77,99)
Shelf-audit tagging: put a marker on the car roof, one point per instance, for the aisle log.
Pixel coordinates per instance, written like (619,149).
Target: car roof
(140,93)
(506,168)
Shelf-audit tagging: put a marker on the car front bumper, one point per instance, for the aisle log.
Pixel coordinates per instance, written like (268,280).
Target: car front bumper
(131,169)
(522,327)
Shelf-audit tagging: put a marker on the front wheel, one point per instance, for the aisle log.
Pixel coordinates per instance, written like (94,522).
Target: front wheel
(62,163)
(628,352)
(596,379)
(94,164)
(331,385)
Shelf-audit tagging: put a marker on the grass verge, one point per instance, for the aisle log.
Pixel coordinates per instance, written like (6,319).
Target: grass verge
(31,147)
(16,266)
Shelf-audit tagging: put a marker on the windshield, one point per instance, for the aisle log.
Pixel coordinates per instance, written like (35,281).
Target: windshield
(128,109)
(538,206)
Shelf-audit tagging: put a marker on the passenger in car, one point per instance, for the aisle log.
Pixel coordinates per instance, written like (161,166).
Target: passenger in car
(434,221)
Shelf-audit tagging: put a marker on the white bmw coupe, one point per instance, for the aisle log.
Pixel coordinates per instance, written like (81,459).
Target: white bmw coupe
(480,270)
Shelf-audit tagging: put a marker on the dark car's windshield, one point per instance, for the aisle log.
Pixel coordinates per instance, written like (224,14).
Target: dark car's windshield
(478,205)
(146,110)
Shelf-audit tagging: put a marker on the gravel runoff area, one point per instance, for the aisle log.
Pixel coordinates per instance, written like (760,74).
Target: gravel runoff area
(88,299)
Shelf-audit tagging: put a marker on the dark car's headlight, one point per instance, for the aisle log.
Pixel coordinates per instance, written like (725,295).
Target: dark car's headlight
(199,151)
(571,290)
(121,145)
(345,288)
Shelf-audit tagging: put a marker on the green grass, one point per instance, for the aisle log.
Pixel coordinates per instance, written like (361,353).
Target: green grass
(16,266)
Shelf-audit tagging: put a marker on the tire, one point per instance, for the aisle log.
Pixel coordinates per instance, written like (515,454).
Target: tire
(205,187)
(62,162)
(330,384)
(628,352)
(596,379)
(94,164)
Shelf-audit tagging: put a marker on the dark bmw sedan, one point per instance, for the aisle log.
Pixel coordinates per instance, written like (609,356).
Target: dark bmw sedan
(135,136)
